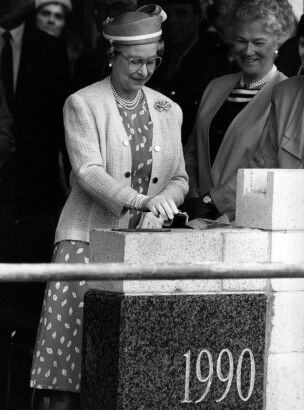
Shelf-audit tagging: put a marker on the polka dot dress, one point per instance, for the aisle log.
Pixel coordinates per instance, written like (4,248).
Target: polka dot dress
(139,128)
(57,356)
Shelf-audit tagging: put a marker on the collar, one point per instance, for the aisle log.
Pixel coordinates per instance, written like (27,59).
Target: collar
(17,33)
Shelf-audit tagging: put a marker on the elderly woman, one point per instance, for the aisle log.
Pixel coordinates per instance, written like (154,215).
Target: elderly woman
(282,142)
(234,108)
(124,143)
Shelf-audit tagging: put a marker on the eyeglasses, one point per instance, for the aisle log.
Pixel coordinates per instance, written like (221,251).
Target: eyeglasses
(135,63)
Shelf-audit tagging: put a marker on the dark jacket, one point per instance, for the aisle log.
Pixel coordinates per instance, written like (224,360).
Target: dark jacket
(91,67)
(42,87)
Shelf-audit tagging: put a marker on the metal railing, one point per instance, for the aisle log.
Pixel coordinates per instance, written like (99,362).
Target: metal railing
(124,271)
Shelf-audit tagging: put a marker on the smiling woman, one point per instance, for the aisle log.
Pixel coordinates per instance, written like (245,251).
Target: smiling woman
(124,143)
(234,108)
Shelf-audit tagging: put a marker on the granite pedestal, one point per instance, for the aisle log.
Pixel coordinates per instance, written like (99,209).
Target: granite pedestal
(173,352)
(210,344)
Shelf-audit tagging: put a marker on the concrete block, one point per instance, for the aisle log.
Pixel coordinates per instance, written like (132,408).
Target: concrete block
(287,332)
(245,285)
(287,285)
(246,245)
(270,199)
(175,287)
(174,246)
(287,246)
(159,287)
(285,382)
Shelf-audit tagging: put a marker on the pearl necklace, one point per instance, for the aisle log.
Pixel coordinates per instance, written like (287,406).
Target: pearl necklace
(128,105)
(258,83)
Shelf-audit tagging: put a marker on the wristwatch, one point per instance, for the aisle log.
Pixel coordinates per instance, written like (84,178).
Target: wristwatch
(207,200)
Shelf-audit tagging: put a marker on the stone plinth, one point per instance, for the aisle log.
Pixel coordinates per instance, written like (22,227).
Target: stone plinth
(151,352)
(169,246)
(284,320)
(270,199)
(195,246)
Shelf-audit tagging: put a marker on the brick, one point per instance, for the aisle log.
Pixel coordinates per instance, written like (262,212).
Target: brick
(270,199)
(175,246)
(246,245)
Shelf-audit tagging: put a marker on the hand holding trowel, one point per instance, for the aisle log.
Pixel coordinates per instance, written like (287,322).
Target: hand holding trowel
(181,220)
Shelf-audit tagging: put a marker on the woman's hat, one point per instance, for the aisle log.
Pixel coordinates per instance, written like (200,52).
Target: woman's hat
(142,26)
(65,3)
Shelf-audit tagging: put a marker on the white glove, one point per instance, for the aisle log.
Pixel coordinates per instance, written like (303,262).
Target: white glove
(161,206)
(149,221)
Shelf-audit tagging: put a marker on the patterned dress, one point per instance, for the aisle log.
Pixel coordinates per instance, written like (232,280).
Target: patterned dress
(57,355)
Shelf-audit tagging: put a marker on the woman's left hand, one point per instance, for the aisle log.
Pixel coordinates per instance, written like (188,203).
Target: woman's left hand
(149,221)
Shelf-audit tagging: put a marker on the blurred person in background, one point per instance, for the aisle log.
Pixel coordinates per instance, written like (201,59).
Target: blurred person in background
(36,82)
(234,108)
(93,66)
(180,35)
(200,53)
(288,60)
(51,15)
(7,144)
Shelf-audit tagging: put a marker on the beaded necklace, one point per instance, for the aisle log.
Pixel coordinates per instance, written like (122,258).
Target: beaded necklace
(128,105)
(258,83)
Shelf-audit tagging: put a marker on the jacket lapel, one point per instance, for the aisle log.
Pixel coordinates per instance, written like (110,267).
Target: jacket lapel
(295,129)
(118,124)
(243,125)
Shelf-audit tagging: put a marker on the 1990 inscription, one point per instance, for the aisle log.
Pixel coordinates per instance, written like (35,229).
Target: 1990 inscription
(224,378)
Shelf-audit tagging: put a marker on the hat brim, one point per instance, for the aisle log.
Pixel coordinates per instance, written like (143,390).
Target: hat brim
(133,40)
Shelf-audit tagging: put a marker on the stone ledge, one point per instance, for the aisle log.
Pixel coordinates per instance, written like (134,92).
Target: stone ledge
(287,392)
(152,287)
(287,285)
(245,285)
(287,320)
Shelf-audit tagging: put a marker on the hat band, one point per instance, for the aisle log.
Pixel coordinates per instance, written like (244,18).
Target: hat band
(132,38)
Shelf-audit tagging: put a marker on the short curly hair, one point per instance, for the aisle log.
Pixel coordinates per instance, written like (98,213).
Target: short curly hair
(275,15)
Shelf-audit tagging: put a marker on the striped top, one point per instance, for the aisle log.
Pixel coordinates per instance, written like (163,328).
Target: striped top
(241,95)
(238,98)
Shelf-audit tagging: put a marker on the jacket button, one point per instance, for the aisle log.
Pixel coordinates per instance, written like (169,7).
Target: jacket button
(155,180)
(127,174)
(157,148)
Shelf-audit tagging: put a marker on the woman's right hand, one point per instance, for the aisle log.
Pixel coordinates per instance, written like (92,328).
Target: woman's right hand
(161,206)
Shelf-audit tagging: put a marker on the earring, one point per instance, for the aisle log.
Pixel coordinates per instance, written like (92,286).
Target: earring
(276,52)
(110,64)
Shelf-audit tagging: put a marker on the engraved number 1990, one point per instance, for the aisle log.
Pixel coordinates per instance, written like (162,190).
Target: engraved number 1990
(227,378)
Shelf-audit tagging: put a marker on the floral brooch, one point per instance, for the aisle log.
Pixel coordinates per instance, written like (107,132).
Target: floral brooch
(162,105)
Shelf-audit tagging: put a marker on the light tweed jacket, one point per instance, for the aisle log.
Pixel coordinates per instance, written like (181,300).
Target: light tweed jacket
(100,156)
